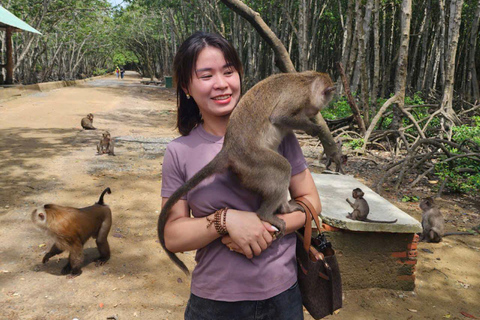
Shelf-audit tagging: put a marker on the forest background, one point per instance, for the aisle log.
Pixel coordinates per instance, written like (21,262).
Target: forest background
(407,72)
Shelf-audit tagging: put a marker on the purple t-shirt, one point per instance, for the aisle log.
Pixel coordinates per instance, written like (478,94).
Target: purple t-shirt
(221,274)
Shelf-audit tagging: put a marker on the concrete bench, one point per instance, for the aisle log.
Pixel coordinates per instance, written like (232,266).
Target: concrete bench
(369,254)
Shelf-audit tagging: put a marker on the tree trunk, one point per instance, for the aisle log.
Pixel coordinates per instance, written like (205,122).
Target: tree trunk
(282,59)
(453,34)
(472,80)
(401,75)
(376,53)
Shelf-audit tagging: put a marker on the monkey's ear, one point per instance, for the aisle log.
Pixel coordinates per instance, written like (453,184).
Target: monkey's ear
(329,90)
(321,92)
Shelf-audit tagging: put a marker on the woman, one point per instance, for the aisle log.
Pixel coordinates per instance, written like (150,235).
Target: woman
(245,274)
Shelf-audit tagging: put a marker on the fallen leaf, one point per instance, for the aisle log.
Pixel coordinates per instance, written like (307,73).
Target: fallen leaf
(448,316)
(467,315)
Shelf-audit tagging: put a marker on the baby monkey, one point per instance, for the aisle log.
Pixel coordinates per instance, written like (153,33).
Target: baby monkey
(70,228)
(361,208)
(106,144)
(87,122)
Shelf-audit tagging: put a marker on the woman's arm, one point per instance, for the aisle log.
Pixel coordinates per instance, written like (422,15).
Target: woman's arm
(183,233)
(301,184)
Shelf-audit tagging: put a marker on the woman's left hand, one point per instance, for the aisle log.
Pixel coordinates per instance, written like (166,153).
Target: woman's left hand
(227,240)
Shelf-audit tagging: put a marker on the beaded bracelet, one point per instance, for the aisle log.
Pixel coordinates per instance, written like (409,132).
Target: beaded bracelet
(219,221)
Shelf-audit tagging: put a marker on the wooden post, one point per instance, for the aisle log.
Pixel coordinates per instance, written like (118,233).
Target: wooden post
(9,66)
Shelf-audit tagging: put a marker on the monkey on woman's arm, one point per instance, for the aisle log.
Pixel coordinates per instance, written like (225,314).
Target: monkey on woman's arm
(255,129)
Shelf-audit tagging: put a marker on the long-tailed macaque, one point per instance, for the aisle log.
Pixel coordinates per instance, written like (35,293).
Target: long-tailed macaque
(433,224)
(106,144)
(262,118)
(87,122)
(361,209)
(71,228)
(332,158)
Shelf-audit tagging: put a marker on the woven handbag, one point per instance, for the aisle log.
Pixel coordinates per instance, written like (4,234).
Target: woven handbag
(318,272)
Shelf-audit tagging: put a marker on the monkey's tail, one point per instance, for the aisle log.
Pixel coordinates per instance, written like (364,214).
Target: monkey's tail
(464,233)
(379,221)
(218,164)
(100,201)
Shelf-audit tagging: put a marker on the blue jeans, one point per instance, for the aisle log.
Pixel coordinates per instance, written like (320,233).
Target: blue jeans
(284,306)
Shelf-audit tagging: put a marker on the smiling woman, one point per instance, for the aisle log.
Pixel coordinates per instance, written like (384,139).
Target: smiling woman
(241,270)
(215,87)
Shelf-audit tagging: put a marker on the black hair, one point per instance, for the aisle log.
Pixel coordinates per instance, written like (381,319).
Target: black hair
(188,113)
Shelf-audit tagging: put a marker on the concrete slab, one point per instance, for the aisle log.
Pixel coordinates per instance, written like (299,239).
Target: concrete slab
(334,189)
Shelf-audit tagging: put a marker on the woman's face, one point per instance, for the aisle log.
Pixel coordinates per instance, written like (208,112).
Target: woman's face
(215,86)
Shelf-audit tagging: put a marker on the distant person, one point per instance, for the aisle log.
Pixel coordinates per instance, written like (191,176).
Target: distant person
(122,72)
(117,71)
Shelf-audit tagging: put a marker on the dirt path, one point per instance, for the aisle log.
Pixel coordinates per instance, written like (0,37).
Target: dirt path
(46,157)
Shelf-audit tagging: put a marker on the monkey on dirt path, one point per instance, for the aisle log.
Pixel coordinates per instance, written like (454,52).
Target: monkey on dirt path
(70,228)
(87,122)
(433,224)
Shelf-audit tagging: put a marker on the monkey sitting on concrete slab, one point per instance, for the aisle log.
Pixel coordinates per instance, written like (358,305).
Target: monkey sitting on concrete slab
(361,209)
(433,224)
(106,144)
(87,122)
(262,118)
(70,228)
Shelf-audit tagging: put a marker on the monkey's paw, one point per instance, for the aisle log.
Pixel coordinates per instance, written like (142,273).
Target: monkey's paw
(67,269)
(100,261)
(74,275)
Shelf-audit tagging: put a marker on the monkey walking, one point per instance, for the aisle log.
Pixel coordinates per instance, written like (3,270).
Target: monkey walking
(254,132)
(361,209)
(343,159)
(433,224)
(87,122)
(106,144)
(71,228)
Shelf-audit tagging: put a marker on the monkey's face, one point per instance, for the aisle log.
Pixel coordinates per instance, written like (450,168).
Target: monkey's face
(357,193)
(90,116)
(215,87)
(39,217)
(426,204)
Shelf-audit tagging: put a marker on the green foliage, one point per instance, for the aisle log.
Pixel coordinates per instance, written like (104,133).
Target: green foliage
(99,71)
(337,109)
(463,174)
(123,58)
(355,143)
(410,198)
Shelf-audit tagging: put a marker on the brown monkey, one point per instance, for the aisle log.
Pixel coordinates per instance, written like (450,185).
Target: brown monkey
(339,158)
(255,129)
(106,144)
(72,227)
(433,224)
(87,122)
(361,208)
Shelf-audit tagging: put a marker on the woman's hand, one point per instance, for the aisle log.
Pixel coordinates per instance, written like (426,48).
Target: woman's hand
(247,234)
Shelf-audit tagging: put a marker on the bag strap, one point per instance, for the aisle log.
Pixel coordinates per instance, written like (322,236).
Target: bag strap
(310,213)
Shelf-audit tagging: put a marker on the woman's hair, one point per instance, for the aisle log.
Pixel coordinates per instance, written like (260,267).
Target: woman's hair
(188,113)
